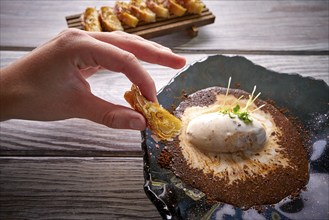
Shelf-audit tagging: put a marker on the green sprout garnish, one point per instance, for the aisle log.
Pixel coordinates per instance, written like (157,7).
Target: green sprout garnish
(237,112)
(243,114)
(236,109)
(245,117)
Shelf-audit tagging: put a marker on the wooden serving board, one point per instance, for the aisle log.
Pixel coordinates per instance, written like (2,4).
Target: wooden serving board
(162,26)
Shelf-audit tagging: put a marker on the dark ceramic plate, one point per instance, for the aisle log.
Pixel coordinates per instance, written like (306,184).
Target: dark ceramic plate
(305,98)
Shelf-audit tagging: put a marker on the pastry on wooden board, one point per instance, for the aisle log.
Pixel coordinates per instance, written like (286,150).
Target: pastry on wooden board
(123,12)
(158,8)
(140,10)
(109,20)
(125,15)
(90,20)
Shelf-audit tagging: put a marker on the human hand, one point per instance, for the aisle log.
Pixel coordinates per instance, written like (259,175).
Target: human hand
(49,83)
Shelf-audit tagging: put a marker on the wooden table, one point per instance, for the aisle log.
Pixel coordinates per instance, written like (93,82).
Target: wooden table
(76,169)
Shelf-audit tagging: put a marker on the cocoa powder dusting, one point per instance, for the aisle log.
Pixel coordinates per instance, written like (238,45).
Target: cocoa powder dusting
(255,190)
(165,158)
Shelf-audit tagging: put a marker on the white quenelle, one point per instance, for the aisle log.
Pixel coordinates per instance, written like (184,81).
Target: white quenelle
(218,132)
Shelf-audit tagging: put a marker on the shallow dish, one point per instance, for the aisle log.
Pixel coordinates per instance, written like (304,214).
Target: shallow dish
(305,98)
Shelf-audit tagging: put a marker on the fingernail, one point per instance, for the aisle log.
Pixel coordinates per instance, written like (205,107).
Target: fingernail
(137,124)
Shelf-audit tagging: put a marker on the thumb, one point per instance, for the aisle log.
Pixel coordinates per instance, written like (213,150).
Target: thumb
(111,115)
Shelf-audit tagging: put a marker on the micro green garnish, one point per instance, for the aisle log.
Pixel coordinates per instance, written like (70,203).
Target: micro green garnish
(236,109)
(236,112)
(245,117)
(244,113)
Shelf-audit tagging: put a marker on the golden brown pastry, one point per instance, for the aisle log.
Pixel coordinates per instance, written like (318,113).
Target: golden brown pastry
(109,20)
(175,8)
(158,8)
(90,20)
(161,123)
(122,11)
(192,6)
(139,9)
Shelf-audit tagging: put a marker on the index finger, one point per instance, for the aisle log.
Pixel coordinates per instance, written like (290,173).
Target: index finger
(97,53)
(143,49)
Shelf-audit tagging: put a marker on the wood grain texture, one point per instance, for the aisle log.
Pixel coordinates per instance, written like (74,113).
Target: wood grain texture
(73,188)
(82,170)
(77,137)
(240,25)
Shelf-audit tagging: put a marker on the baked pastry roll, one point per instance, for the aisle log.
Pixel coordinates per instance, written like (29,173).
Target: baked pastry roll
(122,11)
(192,6)
(90,20)
(109,20)
(158,8)
(139,9)
(175,8)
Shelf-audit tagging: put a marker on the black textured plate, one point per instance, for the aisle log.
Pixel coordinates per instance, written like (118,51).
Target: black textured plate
(305,98)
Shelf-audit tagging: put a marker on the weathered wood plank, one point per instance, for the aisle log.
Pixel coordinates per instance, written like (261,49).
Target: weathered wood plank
(73,188)
(240,25)
(84,138)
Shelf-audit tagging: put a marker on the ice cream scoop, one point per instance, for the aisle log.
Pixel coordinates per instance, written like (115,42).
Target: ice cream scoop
(218,132)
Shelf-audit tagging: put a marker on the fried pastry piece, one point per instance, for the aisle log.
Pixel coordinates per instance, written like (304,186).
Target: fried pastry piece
(158,8)
(175,8)
(163,124)
(139,9)
(109,20)
(192,6)
(90,20)
(122,11)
